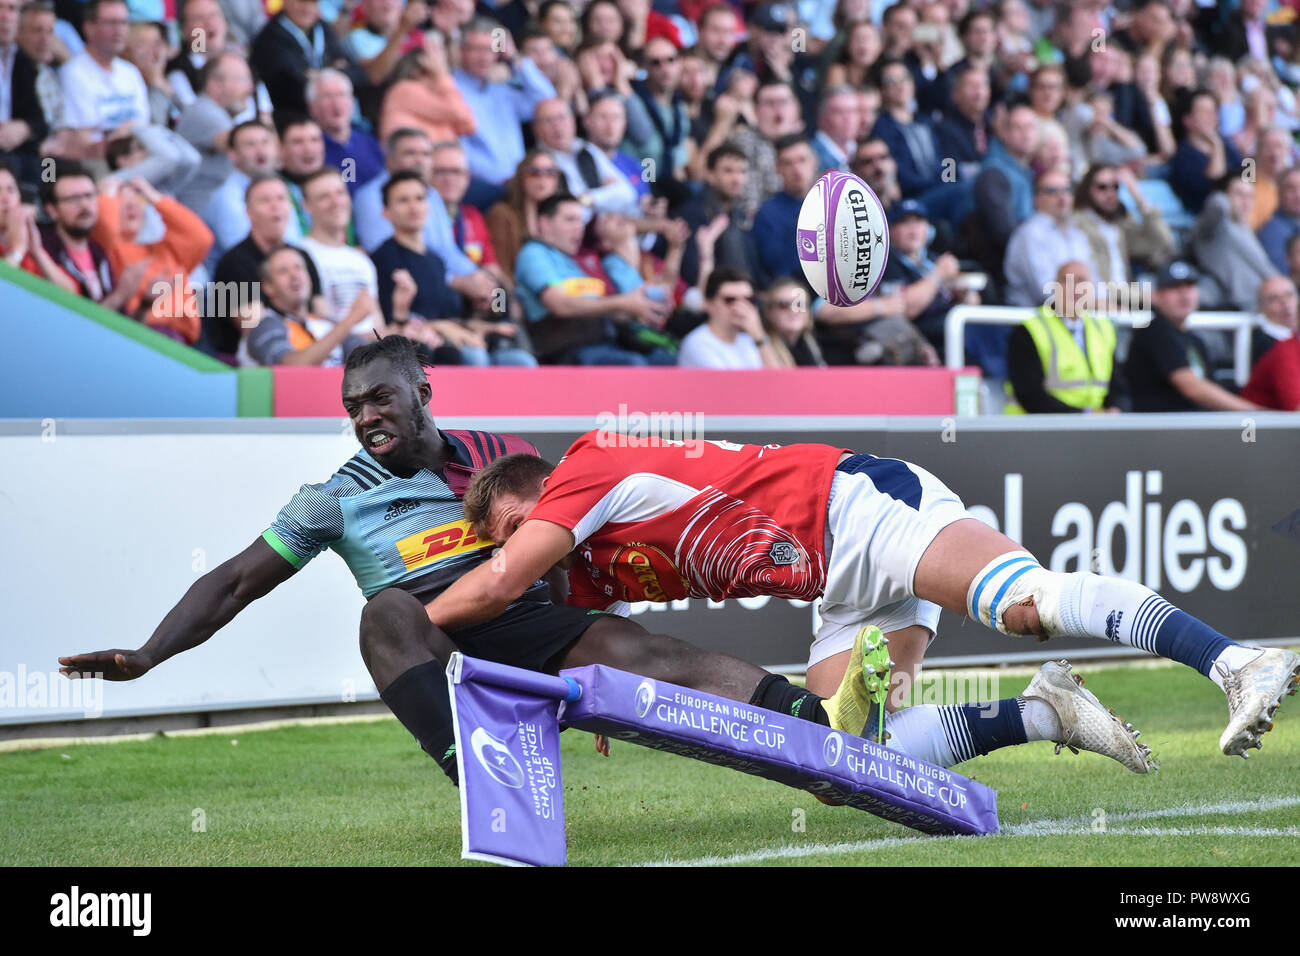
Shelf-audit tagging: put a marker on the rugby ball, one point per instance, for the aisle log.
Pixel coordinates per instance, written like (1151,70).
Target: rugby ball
(843,239)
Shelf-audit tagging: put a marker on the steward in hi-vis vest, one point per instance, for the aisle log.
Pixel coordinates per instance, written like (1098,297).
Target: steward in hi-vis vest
(1065,363)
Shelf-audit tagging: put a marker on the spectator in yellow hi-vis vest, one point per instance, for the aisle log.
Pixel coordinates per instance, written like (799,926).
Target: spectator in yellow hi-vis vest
(1063,358)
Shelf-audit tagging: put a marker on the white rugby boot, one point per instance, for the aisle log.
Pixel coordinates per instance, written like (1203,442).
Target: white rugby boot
(1254,693)
(1085,723)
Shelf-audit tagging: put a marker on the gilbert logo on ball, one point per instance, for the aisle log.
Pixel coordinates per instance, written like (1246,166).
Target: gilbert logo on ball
(843,239)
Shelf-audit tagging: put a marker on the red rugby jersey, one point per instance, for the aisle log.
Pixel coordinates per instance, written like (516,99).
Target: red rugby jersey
(712,519)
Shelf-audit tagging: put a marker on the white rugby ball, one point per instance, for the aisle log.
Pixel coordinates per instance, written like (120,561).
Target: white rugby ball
(843,239)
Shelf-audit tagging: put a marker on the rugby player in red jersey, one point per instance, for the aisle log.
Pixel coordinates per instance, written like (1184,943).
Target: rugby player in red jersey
(881,541)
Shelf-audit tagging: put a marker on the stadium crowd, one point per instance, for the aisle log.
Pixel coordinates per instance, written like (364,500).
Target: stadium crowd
(617,181)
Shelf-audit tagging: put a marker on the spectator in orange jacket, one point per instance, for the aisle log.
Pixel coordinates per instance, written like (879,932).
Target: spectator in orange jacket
(163,299)
(425,96)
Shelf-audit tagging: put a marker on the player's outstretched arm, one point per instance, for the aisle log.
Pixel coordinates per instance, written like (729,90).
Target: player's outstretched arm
(209,605)
(535,548)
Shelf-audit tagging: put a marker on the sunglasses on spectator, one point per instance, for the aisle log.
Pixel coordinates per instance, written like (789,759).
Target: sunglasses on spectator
(733,299)
(542,171)
(661,60)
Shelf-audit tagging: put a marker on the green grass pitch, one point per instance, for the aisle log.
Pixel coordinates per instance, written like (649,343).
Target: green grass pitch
(363,794)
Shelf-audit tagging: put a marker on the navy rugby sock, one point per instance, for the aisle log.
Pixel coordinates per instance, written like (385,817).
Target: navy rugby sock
(776,693)
(420,700)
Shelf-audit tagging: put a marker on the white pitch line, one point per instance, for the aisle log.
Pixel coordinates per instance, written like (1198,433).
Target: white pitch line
(1068,826)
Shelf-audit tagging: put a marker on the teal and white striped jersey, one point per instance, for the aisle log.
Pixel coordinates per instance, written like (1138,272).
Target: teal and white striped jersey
(409,533)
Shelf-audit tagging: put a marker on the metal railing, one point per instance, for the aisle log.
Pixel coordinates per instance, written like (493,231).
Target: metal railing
(1239,323)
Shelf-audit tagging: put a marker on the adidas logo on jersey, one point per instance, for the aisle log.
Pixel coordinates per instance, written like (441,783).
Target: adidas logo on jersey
(400,507)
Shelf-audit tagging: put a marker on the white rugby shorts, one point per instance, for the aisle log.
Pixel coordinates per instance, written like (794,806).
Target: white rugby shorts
(882,515)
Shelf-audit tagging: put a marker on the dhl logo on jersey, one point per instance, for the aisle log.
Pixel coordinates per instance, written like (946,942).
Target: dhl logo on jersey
(434,544)
(647,574)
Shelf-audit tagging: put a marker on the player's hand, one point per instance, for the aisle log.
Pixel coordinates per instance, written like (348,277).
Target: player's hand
(117,664)
(602,745)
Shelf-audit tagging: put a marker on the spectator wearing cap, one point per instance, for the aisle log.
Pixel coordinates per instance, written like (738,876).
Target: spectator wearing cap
(724,183)
(921,280)
(1167,366)
(1285,222)
(1203,156)
(1044,241)
(775,223)
(771,55)
(348,147)
(293,42)
(963,134)
(838,122)
(1062,359)
(733,336)
(1225,247)
(1275,376)
(495,148)
(658,125)
(595,182)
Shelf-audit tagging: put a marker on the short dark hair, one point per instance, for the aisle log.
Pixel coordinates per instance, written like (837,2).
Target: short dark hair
(259,180)
(550,5)
(520,474)
(725,151)
(322,173)
(289,120)
(117,148)
(91,14)
(404,355)
(789,141)
(971,16)
(713,8)
(245,125)
(893,10)
(395,180)
(405,132)
(722,275)
(264,268)
(63,169)
(549,206)
(772,82)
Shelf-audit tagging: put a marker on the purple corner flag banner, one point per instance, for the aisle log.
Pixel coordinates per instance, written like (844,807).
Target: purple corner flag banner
(795,752)
(508,753)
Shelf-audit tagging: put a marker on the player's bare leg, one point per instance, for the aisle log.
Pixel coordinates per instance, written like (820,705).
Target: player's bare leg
(407,657)
(971,569)
(907,647)
(396,635)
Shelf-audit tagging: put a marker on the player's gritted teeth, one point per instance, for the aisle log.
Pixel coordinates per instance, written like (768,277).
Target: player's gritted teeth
(380,441)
